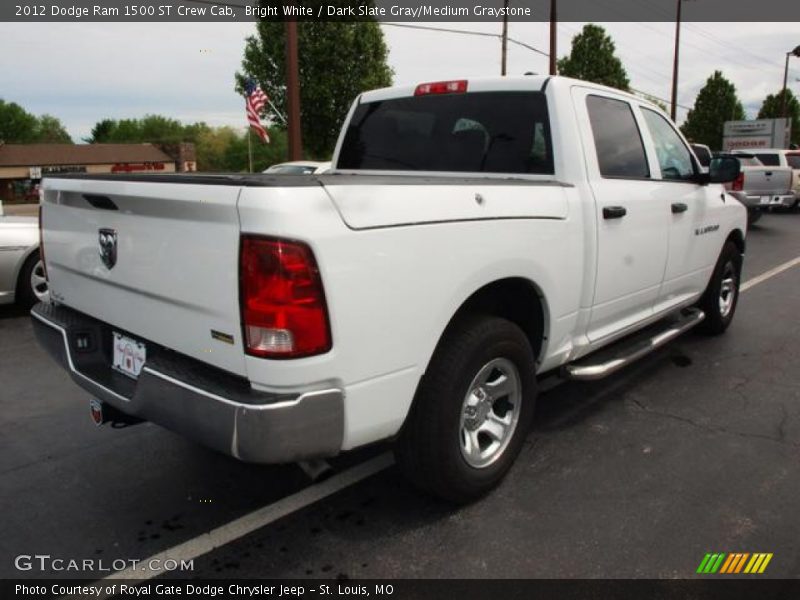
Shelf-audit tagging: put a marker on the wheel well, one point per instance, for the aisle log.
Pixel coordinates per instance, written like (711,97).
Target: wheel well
(737,237)
(515,299)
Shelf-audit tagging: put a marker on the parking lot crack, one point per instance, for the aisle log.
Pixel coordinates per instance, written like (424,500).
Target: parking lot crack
(779,438)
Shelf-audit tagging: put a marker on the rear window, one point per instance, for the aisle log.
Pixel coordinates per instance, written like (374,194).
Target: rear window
(488,132)
(749,161)
(768,160)
(793,160)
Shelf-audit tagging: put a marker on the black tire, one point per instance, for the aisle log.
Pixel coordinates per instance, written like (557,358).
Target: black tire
(25,294)
(753,215)
(429,449)
(718,314)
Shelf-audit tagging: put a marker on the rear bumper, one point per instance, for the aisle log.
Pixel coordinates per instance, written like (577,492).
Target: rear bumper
(212,407)
(751,200)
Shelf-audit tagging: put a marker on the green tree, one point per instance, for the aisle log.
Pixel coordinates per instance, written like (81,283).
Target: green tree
(102,132)
(716,103)
(593,58)
(50,130)
(773,107)
(337,62)
(18,126)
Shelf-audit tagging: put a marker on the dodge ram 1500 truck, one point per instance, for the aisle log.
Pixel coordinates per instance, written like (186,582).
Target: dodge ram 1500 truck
(472,236)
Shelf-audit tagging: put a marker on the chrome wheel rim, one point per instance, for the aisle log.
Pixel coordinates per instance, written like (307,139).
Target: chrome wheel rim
(727,290)
(490,413)
(39,283)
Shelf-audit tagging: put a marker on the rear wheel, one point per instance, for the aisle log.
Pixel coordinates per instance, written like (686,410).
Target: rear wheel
(472,412)
(722,295)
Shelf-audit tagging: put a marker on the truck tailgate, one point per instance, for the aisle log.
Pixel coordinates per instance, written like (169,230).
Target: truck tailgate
(767,180)
(174,277)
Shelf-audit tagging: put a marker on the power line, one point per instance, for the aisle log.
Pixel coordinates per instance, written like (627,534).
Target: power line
(467,32)
(494,35)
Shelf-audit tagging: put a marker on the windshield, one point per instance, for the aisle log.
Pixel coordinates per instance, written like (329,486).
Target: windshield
(490,132)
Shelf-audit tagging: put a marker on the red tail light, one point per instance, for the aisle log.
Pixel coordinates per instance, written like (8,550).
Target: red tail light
(738,183)
(283,305)
(458,86)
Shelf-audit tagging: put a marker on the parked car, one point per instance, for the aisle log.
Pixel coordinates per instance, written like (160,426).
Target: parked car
(759,187)
(300,167)
(22,276)
(779,157)
(471,236)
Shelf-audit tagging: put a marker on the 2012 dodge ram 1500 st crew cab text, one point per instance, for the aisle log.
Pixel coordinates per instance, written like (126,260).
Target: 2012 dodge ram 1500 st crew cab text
(471,236)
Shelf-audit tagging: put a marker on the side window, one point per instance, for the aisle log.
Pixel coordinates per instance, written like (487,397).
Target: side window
(620,151)
(673,155)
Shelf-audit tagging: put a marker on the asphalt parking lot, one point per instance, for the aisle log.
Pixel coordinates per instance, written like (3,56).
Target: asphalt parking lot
(696,449)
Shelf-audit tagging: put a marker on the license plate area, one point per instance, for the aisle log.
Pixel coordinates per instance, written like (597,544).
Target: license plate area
(129,355)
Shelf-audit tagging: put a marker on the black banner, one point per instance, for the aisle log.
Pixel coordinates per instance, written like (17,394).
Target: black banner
(189,11)
(712,588)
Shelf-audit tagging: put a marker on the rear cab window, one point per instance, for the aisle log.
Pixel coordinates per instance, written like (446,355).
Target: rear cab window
(474,132)
(768,159)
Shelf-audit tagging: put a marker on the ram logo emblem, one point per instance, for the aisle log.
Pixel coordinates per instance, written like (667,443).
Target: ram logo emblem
(108,247)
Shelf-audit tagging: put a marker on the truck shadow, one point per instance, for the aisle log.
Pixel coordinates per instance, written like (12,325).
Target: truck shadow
(13,311)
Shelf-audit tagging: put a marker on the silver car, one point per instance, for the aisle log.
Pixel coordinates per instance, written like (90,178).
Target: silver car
(22,276)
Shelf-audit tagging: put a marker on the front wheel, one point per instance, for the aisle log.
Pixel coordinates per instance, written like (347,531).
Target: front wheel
(722,295)
(32,286)
(473,410)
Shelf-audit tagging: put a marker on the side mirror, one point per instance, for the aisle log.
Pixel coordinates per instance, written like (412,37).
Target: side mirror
(723,169)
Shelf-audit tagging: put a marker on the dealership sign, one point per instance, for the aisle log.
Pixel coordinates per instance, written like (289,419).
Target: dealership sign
(761,133)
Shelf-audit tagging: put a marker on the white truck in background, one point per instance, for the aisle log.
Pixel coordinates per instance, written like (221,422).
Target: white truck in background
(472,236)
(781,158)
(760,187)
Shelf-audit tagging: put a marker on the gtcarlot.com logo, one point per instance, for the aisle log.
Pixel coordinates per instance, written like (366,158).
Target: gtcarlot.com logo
(734,563)
(46,562)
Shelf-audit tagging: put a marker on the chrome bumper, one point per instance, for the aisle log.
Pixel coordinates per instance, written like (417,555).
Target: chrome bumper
(213,407)
(753,200)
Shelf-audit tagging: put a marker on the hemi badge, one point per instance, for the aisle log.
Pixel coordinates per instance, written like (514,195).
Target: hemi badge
(222,337)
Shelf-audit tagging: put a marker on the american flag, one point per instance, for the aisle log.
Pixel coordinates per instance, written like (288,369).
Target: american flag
(255,101)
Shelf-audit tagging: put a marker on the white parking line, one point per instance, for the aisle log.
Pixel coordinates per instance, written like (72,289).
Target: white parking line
(225,534)
(257,519)
(769,274)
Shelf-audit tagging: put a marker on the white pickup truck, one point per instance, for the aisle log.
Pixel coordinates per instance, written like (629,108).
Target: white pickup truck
(471,237)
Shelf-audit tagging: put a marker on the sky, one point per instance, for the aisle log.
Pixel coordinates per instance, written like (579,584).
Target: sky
(84,72)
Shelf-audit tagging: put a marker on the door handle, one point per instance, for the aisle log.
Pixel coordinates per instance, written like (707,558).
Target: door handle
(679,207)
(614,212)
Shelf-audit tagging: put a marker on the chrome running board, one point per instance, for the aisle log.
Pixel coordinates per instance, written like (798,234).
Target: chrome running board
(636,349)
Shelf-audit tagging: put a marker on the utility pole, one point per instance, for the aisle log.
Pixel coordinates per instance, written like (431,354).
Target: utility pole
(293,93)
(784,107)
(674,107)
(504,44)
(553,37)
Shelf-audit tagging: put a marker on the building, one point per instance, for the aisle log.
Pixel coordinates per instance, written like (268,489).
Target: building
(22,166)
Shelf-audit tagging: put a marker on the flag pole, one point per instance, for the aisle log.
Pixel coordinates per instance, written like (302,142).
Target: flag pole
(275,110)
(249,152)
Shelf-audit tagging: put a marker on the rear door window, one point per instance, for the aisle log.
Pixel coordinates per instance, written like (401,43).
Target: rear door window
(619,146)
(485,132)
